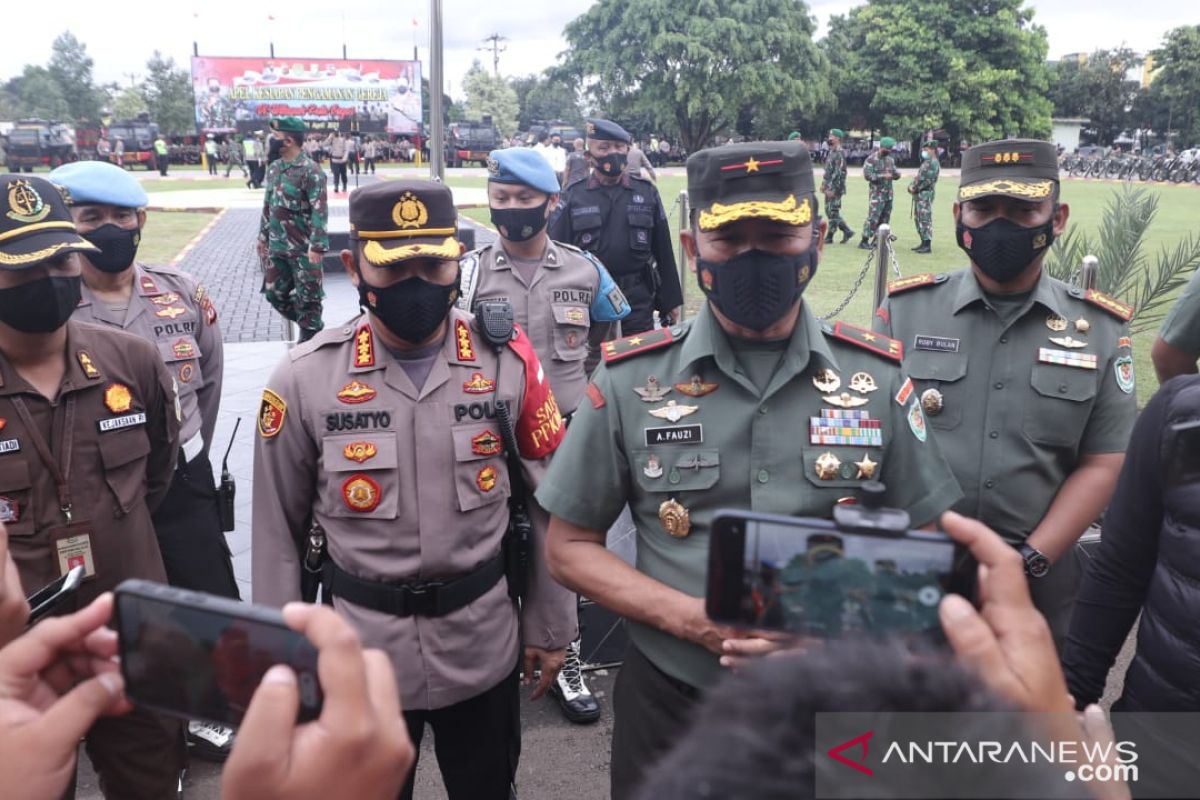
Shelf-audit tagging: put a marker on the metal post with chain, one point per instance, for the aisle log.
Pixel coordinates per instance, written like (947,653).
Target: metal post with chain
(881,258)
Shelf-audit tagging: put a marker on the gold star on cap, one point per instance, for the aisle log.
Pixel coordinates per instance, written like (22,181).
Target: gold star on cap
(866,467)
(751,164)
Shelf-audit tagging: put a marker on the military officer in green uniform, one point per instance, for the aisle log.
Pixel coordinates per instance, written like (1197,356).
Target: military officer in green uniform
(1027,383)
(291,237)
(1177,346)
(922,189)
(833,186)
(753,404)
(879,170)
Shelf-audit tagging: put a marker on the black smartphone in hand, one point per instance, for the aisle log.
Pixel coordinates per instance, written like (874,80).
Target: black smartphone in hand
(814,579)
(198,656)
(50,596)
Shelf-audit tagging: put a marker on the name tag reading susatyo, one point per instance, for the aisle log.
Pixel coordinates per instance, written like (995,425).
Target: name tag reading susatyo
(120,423)
(675,434)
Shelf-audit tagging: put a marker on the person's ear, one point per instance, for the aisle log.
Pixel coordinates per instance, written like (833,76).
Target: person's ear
(552,204)
(348,265)
(956,210)
(822,231)
(141,218)
(1061,215)
(687,240)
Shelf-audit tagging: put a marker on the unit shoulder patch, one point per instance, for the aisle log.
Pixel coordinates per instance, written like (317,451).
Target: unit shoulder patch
(1120,310)
(901,285)
(877,343)
(620,349)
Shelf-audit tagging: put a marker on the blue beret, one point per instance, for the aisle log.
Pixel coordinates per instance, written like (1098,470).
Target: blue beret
(90,182)
(607,129)
(522,165)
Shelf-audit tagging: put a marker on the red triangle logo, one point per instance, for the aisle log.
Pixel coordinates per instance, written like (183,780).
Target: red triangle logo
(861,740)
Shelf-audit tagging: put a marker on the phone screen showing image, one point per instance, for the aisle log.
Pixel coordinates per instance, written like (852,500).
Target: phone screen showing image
(205,664)
(826,583)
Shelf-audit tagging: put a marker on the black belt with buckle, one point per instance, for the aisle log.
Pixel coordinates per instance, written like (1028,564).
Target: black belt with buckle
(429,599)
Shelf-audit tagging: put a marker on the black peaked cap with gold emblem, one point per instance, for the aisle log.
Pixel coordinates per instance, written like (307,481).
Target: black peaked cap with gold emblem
(399,220)
(1026,169)
(763,180)
(35,224)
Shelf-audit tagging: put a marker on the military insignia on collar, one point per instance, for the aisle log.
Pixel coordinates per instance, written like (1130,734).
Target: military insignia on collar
(87,365)
(486,479)
(464,347)
(361,493)
(479,384)
(355,392)
(117,398)
(409,212)
(1123,367)
(147,285)
(25,205)
(364,347)
(271,414)
(485,444)
(359,451)
(696,387)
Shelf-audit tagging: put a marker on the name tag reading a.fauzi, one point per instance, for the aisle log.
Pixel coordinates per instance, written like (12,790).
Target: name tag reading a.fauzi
(676,434)
(119,423)
(940,344)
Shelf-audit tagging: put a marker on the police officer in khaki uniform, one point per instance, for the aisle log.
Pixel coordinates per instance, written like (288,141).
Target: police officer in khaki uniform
(385,433)
(1027,383)
(564,299)
(89,431)
(754,404)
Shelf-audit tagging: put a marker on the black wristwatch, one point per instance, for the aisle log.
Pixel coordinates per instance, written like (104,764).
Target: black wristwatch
(1036,563)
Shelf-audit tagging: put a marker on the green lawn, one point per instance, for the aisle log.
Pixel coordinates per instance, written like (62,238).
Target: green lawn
(1179,207)
(168,232)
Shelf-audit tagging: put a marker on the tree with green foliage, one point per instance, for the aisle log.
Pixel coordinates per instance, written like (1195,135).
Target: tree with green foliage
(490,95)
(168,94)
(973,67)
(1179,79)
(704,65)
(1097,88)
(71,68)
(38,94)
(545,98)
(129,102)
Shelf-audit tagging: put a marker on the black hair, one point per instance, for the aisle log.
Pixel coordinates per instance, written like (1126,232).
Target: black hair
(754,737)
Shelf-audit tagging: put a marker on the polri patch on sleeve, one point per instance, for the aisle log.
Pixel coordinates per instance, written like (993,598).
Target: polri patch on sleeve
(271,414)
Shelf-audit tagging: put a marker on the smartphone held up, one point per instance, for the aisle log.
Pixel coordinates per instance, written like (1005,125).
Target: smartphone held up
(865,573)
(198,656)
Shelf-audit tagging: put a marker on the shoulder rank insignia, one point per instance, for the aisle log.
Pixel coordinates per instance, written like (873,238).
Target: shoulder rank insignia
(364,347)
(1122,311)
(911,282)
(877,343)
(147,285)
(87,365)
(619,349)
(464,347)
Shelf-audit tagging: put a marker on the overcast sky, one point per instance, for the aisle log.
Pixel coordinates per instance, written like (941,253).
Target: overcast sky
(385,29)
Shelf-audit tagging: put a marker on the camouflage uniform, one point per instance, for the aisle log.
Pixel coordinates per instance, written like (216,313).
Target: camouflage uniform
(922,188)
(293,222)
(834,183)
(878,170)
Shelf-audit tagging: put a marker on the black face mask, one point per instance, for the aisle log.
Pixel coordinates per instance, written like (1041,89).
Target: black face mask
(40,306)
(756,288)
(118,247)
(1002,248)
(611,164)
(273,148)
(520,224)
(412,309)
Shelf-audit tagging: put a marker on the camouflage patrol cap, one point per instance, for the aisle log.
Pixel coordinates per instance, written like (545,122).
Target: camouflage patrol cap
(1026,169)
(762,180)
(36,225)
(838,132)
(400,220)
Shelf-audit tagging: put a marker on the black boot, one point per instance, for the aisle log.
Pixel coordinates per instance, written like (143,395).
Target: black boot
(924,248)
(865,245)
(829,236)
(847,232)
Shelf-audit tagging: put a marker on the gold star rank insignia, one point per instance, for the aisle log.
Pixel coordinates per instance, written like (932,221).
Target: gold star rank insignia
(866,467)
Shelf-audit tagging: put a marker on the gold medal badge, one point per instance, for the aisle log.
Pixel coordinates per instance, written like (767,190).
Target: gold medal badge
(675,519)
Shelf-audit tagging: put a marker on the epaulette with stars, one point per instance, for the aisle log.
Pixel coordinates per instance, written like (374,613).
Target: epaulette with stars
(911,282)
(877,343)
(620,349)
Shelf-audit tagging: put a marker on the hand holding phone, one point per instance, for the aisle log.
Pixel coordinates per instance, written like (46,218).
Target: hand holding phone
(359,747)
(50,596)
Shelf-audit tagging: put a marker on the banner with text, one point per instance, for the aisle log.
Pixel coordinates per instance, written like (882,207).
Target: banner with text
(243,94)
